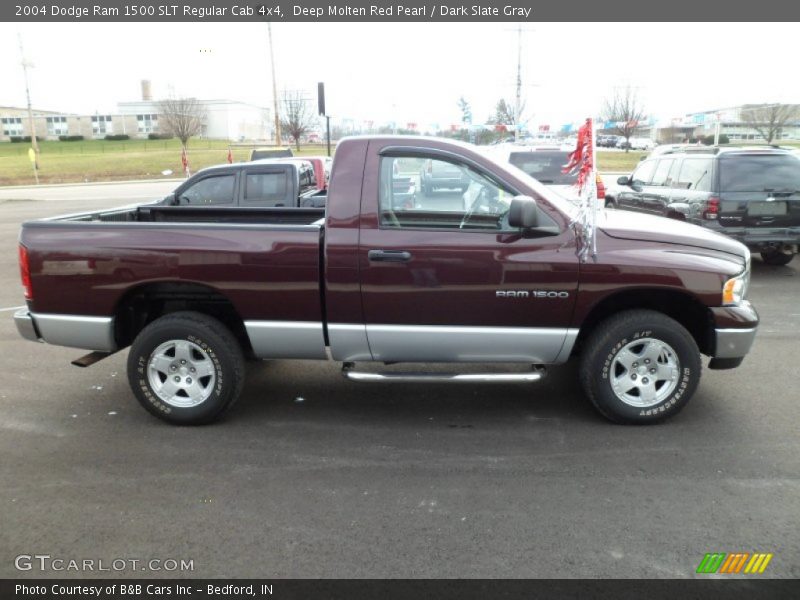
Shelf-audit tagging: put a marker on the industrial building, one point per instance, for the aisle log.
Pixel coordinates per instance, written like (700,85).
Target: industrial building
(225,119)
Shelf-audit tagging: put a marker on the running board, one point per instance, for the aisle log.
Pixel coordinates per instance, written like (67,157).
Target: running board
(388,377)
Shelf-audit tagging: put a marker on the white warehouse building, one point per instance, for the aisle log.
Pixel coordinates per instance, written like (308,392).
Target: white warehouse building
(225,119)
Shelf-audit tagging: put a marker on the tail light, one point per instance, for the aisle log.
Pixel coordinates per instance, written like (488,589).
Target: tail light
(601,188)
(25,272)
(711,211)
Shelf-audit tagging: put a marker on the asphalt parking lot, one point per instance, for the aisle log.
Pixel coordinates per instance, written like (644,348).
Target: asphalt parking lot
(312,476)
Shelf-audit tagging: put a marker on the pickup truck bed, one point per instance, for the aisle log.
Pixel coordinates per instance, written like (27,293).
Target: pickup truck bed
(496,277)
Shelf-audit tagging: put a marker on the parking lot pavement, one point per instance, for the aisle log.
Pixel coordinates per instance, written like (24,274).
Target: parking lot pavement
(312,476)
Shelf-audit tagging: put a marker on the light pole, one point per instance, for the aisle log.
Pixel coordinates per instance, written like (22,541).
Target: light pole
(34,143)
(274,88)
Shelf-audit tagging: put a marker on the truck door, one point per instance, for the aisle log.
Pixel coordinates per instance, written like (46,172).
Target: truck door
(444,278)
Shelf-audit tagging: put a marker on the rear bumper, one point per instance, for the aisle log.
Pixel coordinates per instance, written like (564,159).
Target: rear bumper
(75,331)
(758,237)
(26,326)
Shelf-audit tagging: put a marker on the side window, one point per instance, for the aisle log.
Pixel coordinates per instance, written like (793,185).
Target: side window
(644,172)
(663,171)
(307,179)
(211,190)
(437,194)
(267,189)
(695,174)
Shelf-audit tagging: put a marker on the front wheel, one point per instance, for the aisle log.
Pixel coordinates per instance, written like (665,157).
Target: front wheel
(640,367)
(777,259)
(186,368)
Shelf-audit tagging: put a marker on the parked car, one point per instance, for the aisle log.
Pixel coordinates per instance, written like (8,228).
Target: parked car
(270,182)
(635,143)
(607,141)
(750,194)
(363,281)
(270,152)
(546,164)
(439,175)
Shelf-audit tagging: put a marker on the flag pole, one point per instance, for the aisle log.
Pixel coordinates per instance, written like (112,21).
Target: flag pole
(593,188)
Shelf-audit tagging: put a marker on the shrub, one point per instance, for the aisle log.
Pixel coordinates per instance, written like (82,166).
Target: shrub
(18,139)
(159,136)
(70,138)
(117,137)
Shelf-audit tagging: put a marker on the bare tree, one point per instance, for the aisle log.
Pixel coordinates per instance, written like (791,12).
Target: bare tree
(770,119)
(505,113)
(183,118)
(466,111)
(626,110)
(298,117)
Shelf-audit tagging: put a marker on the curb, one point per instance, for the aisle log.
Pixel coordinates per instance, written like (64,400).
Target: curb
(77,183)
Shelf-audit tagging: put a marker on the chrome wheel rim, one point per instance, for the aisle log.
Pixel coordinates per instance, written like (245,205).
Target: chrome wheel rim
(181,373)
(645,372)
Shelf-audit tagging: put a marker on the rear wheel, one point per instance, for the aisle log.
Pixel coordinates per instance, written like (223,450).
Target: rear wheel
(640,366)
(777,258)
(186,368)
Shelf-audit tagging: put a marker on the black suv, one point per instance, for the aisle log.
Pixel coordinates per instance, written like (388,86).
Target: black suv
(750,194)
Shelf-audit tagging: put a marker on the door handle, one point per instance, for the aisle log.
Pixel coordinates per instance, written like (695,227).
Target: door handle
(389,256)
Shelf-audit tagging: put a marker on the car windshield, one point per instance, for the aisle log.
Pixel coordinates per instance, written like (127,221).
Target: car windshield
(544,166)
(759,173)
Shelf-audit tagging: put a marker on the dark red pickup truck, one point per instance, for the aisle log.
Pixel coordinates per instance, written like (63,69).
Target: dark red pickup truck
(494,274)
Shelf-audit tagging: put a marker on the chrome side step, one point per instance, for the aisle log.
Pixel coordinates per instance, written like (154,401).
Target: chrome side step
(388,377)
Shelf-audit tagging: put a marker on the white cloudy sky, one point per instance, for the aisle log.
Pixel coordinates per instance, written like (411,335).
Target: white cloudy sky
(408,72)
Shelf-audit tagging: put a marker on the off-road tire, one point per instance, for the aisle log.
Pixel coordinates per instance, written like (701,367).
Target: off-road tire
(621,330)
(219,346)
(776,259)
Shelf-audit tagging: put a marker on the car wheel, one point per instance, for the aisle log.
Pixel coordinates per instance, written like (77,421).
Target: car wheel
(610,203)
(186,368)
(776,258)
(640,367)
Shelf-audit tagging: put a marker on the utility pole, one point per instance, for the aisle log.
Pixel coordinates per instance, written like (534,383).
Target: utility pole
(34,143)
(274,88)
(518,101)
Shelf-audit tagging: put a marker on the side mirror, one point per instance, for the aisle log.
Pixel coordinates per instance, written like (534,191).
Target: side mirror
(624,180)
(523,213)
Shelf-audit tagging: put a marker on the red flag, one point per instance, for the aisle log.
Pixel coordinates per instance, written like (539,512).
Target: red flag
(184,161)
(230,156)
(581,160)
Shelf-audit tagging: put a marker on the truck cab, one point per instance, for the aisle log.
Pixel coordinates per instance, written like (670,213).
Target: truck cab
(261,183)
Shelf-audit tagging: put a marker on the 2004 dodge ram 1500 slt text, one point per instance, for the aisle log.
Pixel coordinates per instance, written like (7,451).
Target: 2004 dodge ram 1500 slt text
(496,279)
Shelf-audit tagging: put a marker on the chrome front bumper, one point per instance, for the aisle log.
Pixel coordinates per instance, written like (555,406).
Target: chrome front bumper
(25,325)
(734,343)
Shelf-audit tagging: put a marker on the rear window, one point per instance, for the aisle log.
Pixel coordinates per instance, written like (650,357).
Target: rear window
(543,166)
(759,173)
(261,153)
